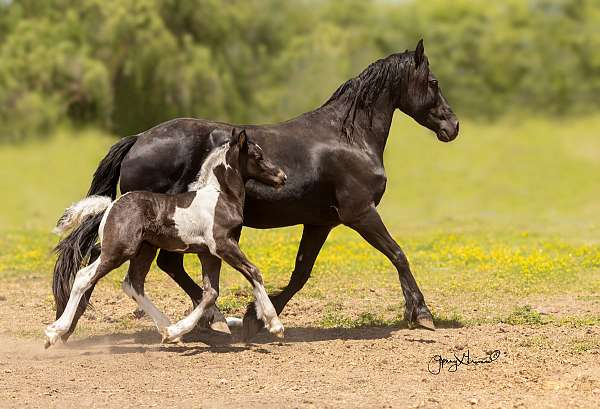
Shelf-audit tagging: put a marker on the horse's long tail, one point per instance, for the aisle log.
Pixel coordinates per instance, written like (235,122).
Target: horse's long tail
(73,249)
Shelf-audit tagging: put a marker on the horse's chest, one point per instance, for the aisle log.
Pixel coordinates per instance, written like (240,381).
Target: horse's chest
(194,224)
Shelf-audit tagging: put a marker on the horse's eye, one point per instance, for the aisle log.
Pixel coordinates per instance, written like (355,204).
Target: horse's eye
(433,83)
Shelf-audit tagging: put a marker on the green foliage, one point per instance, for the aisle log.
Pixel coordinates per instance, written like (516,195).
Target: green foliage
(491,56)
(126,65)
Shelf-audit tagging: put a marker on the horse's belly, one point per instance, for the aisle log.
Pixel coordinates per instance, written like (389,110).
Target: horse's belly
(267,214)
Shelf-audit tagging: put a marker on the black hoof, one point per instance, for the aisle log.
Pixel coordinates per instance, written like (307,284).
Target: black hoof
(251,325)
(65,337)
(419,318)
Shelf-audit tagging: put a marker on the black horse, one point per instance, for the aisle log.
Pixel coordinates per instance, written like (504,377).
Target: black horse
(333,157)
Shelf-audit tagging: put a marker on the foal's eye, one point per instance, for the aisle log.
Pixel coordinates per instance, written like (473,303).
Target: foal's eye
(433,83)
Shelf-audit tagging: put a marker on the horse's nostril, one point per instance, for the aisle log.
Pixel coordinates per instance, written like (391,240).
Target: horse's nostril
(457,127)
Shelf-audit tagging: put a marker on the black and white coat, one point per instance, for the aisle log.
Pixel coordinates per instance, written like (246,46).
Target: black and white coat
(204,220)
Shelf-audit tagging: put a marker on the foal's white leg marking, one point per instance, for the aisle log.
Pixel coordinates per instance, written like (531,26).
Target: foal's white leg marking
(82,283)
(160,320)
(265,310)
(173,333)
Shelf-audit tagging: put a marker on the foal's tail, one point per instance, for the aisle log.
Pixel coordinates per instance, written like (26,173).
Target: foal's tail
(76,213)
(79,244)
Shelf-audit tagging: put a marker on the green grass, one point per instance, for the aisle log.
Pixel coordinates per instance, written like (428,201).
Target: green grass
(506,213)
(525,315)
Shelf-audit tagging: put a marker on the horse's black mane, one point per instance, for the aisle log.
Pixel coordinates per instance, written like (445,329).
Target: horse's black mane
(364,89)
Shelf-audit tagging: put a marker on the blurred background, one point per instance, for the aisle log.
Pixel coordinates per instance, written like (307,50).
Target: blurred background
(523,77)
(123,66)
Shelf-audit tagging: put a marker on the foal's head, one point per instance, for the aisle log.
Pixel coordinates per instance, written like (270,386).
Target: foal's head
(252,162)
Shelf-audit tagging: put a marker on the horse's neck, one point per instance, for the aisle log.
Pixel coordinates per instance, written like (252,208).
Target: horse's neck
(370,131)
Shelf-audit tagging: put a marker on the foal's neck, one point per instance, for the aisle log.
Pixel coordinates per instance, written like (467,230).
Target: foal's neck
(207,177)
(220,172)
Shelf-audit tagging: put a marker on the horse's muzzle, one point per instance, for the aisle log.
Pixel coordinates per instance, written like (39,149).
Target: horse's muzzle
(448,131)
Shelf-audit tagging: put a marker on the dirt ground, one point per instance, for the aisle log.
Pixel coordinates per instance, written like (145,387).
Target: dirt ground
(119,362)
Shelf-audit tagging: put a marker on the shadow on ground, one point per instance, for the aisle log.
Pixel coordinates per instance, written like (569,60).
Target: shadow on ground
(149,340)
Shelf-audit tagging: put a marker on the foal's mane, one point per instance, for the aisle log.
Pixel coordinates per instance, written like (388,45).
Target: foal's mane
(214,159)
(363,90)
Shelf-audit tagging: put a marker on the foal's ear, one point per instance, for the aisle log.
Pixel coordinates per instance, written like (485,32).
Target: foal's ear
(419,53)
(242,140)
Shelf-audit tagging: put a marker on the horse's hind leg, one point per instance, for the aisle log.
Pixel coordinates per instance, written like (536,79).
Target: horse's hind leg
(172,264)
(133,285)
(211,268)
(85,279)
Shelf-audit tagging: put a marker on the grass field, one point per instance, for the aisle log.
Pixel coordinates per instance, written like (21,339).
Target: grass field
(495,225)
(501,228)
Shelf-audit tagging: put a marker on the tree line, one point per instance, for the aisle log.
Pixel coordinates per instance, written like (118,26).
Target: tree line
(125,65)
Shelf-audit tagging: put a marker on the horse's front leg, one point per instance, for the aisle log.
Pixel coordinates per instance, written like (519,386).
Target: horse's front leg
(369,225)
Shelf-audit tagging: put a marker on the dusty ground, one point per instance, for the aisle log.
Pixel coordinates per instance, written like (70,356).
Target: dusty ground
(117,361)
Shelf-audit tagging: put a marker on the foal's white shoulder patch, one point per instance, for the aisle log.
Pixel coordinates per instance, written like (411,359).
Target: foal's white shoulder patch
(195,223)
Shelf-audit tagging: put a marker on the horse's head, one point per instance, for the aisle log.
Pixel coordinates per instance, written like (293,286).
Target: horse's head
(422,99)
(253,163)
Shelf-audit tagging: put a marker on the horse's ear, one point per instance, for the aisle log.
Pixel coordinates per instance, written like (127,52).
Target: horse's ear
(419,53)
(234,137)
(242,140)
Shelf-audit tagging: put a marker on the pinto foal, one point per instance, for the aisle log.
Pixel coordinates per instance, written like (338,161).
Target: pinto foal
(204,219)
